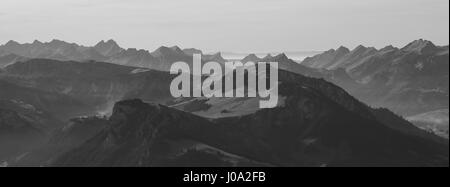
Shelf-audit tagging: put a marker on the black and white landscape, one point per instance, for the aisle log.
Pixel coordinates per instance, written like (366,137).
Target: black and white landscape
(63,104)
(67,104)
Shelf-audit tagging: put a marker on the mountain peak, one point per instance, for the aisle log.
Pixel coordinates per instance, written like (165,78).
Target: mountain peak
(167,51)
(37,42)
(360,50)
(388,48)
(360,47)
(252,55)
(421,46)
(343,49)
(218,56)
(56,41)
(192,51)
(11,42)
(161,51)
(176,49)
(268,56)
(130,110)
(109,48)
(282,56)
(251,58)
(111,41)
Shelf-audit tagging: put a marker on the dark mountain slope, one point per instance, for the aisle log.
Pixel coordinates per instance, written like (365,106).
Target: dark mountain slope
(72,135)
(22,129)
(309,131)
(59,105)
(10,59)
(148,135)
(98,84)
(234,107)
(435,121)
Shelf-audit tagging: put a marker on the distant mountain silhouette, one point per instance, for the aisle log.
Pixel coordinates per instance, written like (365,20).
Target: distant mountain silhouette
(109,48)
(251,58)
(410,80)
(109,51)
(192,51)
(287,64)
(390,77)
(56,49)
(213,58)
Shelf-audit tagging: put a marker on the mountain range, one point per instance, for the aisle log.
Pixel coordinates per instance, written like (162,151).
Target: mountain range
(86,112)
(412,80)
(109,51)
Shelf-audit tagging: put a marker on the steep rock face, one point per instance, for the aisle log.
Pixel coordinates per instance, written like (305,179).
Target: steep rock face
(309,131)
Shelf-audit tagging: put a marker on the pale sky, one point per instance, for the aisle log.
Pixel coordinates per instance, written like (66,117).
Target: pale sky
(228,25)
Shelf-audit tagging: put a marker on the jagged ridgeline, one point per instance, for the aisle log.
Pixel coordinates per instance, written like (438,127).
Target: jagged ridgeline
(411,81)
(93,113)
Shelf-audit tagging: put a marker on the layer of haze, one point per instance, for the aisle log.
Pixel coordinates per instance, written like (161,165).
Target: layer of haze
(228,25)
